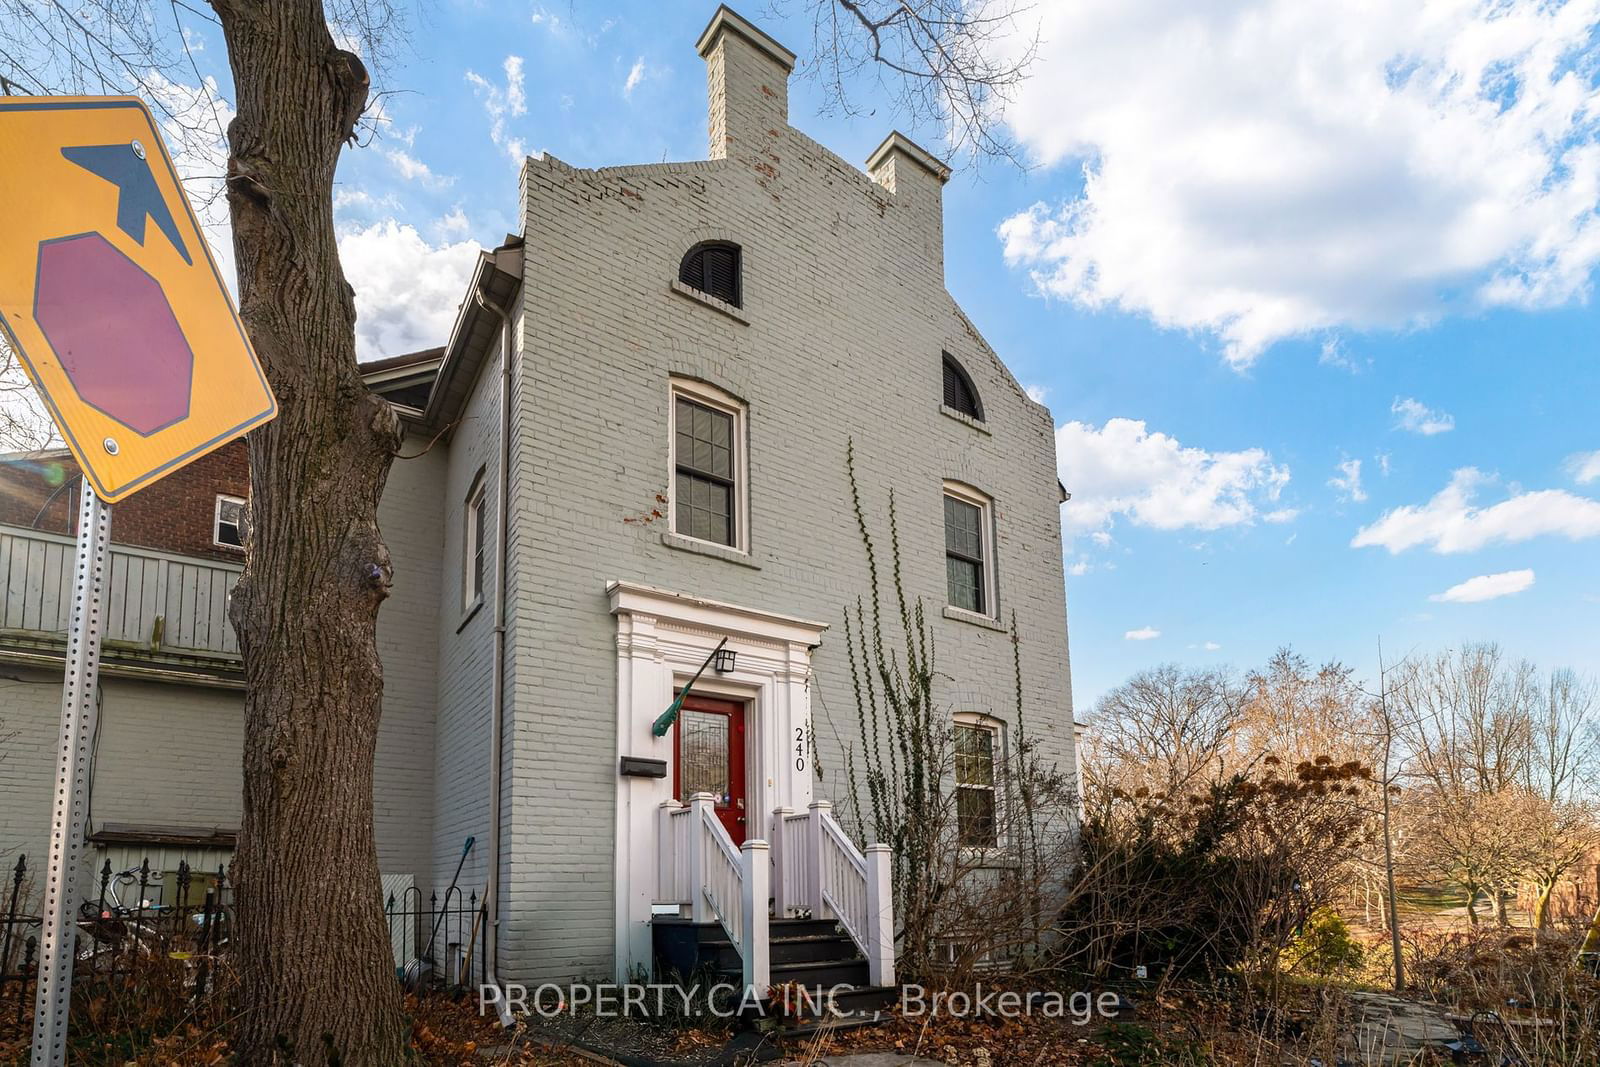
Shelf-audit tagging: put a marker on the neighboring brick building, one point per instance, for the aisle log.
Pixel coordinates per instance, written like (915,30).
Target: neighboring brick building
(693,350)
(192,511)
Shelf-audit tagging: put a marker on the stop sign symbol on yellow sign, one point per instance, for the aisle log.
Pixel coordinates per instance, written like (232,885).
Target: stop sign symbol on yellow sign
(110,296)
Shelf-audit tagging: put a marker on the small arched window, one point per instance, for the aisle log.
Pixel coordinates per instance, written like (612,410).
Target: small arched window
(713,268)
(959,393)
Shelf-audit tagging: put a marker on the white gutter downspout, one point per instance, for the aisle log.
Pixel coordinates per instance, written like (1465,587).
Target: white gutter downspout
(497,681)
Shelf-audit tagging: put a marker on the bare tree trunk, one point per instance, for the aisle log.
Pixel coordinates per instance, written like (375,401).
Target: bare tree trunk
(316,980)
(1541,908)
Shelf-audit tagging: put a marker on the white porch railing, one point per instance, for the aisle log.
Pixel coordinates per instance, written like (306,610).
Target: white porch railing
(815,868)
(700,870)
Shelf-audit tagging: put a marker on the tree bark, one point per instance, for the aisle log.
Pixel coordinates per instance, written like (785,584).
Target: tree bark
(317,983)
(1541,908)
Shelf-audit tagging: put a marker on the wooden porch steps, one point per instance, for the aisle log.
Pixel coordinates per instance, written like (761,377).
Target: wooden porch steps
(815,955)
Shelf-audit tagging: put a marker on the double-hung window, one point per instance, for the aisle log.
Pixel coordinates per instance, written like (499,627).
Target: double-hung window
(977,809)
(968,550)
(708,465)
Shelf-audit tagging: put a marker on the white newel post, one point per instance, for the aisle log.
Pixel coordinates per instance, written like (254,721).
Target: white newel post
(781,859)
(666,860)
(814,854)
(880,915)
(757,958)
(702,807)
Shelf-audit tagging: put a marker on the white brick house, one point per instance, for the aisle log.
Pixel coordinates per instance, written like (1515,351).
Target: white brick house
(690,350)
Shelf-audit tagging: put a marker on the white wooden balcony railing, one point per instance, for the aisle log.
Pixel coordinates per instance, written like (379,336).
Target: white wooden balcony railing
(158,601)
(814,868)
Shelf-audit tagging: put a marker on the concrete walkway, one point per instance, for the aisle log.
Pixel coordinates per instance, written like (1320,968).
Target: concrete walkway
(1389,1030)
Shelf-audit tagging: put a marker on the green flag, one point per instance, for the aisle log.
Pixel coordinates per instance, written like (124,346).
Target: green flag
(665,720)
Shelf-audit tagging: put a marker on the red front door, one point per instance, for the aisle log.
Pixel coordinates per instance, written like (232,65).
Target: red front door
(708,757)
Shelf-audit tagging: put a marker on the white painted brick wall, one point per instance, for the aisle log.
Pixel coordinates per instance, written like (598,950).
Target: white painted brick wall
(843,286)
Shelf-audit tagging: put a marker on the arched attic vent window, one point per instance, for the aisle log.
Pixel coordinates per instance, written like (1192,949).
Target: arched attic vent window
(713,268)
(959,393)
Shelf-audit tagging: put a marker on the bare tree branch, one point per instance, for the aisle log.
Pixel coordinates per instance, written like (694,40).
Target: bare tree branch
(953,65)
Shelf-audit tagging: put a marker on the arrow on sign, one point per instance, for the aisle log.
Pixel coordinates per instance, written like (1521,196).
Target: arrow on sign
(138,195)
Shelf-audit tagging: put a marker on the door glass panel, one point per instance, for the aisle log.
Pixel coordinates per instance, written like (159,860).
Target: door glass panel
(703,754)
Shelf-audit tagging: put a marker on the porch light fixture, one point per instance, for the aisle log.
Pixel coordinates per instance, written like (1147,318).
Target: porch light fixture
(665,720)
(724,659)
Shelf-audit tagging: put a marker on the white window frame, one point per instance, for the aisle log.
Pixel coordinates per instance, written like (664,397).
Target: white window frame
(712,397)
(997,739)
(472,522)
(985,505)
(216,521)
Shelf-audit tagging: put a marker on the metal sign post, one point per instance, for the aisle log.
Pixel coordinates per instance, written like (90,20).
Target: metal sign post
(73,767)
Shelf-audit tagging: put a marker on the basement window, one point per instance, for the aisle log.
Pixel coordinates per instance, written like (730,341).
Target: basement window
(713,268)
(229,523)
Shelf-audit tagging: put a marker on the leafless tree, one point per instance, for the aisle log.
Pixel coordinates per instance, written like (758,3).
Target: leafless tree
(953,65)
(24,426)
(1566,738)
(1470,719)
(1166,730)
(1297,712)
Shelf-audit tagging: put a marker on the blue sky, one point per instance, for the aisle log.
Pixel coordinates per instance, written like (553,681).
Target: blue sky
(1258,247)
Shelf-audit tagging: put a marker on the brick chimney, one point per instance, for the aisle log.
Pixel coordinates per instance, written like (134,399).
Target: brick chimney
(747,75)
(917,180)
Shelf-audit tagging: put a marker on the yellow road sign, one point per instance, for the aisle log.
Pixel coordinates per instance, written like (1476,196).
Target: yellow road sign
(109,294)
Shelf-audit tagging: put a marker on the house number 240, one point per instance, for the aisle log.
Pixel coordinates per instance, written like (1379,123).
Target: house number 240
(799,748)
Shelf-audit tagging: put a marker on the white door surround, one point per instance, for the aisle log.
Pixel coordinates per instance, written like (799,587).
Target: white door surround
(662,639)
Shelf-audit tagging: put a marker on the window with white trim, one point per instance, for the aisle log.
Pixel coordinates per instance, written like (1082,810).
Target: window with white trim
(968,549)
(474,544)
(977,744)
(709,465)
(230,523)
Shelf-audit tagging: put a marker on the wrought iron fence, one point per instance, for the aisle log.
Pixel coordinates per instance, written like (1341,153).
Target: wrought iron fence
(143,925)
(138,917)
(438,942)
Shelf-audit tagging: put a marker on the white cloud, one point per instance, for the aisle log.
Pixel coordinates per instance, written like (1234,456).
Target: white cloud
(1211,646)
(407,290)
(348,201)
(1486,587)
(1585,467)
(1274,168)
(1282,515)
(1150,479)
(453,225)
(1147,633)
(1451,522)
(503,103)
(1036,393)
(1078,568)
(636,74)
(1414,416)
(1348,481)
(1383,463)
(1333,354)
(412,169)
